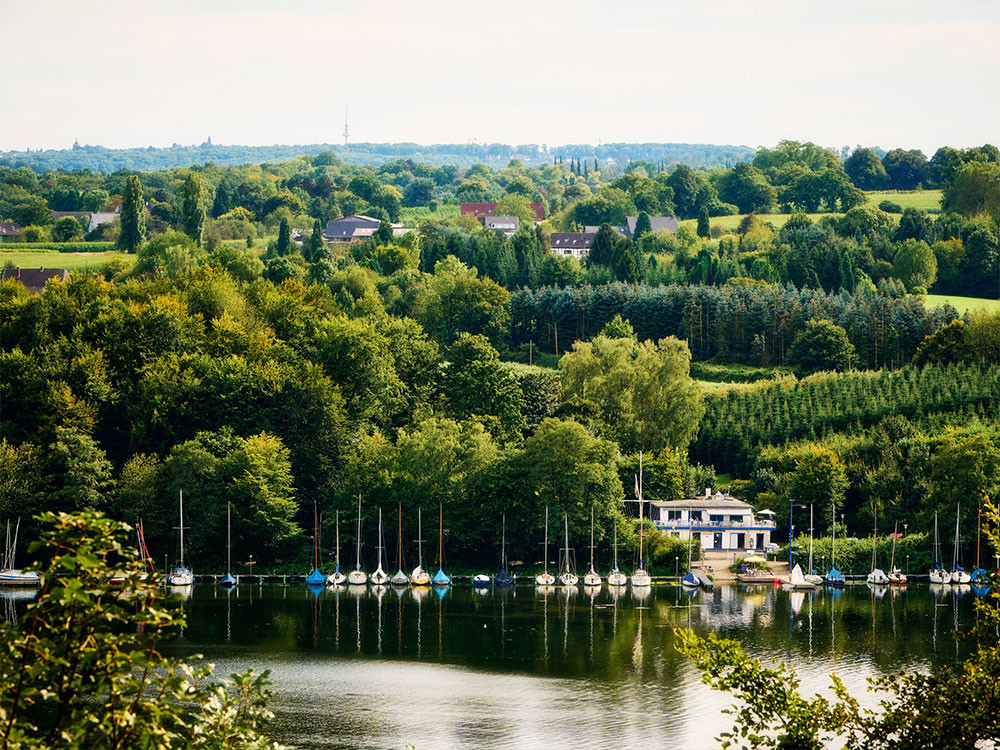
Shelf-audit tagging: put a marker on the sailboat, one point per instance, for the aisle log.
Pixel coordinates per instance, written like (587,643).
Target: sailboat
(690,580)
(640,578)
(567,577)
(545,578)
(979,576)
(379,577)
(812,577)
(834,578)
(441,578)
(357,577)
(591,578)
(229,579)
(938,574)
(798,581)
(140,546)
(616,577)
(399,578)
(896,576)
(9,575)
(503,578)
(337,578)
(419,576)
(181,576)
(876,577)
(958,574)
(315,578)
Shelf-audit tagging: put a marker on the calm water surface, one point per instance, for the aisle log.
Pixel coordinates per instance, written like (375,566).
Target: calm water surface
(524,668)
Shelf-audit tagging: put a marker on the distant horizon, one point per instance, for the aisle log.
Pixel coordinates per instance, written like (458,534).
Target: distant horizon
(900,73)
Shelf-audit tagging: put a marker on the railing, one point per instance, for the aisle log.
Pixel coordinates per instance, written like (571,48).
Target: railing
(757,524)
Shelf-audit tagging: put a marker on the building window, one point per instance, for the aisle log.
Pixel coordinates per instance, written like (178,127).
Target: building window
(695,515)
(717,519)
(673,515)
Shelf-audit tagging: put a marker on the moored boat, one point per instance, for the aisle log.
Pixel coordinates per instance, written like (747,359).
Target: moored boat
(337,577)
(379,577)
(545,578)
(503,578)
(419,576)
(592,579)
(798,581)
(441,578)
(938,574)
(399,578)
(958,573)
(357,577)
(640,577)
(181,575)
(896,576)
(567,577)
(877,577)
(228,579)
(834,578)
(616,577)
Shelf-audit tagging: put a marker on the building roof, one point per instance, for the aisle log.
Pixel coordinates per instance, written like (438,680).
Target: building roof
(571,240)
(35,279)
(94,218)
(656,223)
(10,229)
(716,501)
(347,227)
(500,222)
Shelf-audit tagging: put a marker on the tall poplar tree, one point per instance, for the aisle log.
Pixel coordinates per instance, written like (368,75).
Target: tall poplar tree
(193,207)
(133,217)
(704,229)
(284,237)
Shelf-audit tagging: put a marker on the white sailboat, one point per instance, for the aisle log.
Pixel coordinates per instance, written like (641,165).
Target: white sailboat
(9,575)
(181,576)
(592,578)
(399,578)
(567,577)
(640,578)
(379,577)
(896,576)
(503,578)
(798,581)
(441,579)
(958,573)
(812,576)
(938,574)
(877,577)
(357,577)
(616,577)
(228,579)
(419,576)
(337,577)
(545,578)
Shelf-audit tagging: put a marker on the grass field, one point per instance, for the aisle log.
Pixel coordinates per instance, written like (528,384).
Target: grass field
(50,259)
(417,214)
(729,223)
(962,304)
(928,200)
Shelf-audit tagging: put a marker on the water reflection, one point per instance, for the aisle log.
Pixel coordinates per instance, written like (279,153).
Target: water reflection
(494,671)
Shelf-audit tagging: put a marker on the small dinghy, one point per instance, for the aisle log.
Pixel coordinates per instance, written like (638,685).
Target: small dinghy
(958,573)
(690,580)
(481,579)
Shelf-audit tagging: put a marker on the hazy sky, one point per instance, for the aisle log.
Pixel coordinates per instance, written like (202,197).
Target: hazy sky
(911,73)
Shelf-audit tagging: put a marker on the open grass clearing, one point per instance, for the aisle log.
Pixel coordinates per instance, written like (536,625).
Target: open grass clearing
(962,304)
(50,259)
(729,223)
(927,200)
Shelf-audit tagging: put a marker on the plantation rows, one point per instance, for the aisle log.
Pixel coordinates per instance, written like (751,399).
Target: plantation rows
(738,423)
(751,324)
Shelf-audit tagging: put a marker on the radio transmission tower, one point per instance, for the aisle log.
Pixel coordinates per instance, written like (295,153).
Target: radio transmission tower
(347,130)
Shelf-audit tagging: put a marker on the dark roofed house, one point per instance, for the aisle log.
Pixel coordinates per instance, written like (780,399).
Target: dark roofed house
(475,210)
(89,220)
(351,228)
(576,244)
(9,231)
(656,224)
(35,279)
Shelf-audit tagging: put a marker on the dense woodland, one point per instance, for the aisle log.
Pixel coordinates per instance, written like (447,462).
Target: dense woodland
(245,367)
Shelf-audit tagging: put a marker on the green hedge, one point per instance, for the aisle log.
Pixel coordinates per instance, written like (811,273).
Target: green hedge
(734,373)
(60,247)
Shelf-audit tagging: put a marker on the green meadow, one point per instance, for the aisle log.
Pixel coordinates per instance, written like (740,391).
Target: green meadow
(52,259)
(962,304)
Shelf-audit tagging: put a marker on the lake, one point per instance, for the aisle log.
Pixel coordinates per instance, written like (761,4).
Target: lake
(525,668)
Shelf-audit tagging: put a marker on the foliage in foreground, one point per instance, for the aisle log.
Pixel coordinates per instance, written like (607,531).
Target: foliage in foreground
(83,667)
(941,709)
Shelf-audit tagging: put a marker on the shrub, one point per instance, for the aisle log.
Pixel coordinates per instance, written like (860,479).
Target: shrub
(890,208)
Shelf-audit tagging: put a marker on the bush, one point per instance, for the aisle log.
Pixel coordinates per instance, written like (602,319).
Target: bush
(890,208)
(34,234)
(84,669)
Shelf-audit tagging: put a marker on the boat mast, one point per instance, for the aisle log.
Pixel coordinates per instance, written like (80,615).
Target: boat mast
(591,537)
(503,543)
(640,510)
(979,531)
(357,543)
(379,540)
(616,544)
(229,537)
(315,538)
(420,539)
(937,544)
(810,537)
(441,536)
(892,560)
(874,532)
(545,547)
(399,537)
(833,536)
(566,522)
(338,541)
(182,526)
(958,517)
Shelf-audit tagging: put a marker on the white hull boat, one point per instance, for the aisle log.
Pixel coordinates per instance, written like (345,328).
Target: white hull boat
(641,579)
(13,577)
(877,578)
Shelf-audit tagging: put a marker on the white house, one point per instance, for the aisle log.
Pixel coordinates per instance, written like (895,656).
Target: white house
(718,521)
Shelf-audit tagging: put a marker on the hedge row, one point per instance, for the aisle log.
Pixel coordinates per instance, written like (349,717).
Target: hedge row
(60,247)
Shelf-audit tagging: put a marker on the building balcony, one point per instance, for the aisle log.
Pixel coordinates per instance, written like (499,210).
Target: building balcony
(714,525)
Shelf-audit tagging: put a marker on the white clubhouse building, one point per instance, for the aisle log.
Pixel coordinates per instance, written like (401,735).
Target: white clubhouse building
(718,521)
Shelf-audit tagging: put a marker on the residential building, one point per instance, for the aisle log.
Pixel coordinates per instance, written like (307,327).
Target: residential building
(506,224)
(576,244)
(476,210)
(89,220)
(656,223)
(357,227)
(9,231)
(718,521)
(35,279)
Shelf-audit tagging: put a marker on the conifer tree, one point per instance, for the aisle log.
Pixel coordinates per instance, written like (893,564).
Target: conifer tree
(133,217)
(703,224)
(284,237)
(315,248)
(193,207)
(642,225)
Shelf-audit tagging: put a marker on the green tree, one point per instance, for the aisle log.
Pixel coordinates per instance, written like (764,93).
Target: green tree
(748,189)
(949,343)
(703,224)
(66,229)
(865,170)
(84,666)
(964,469)
(822,345)
(193,207)
(642,225)
(133,216)
(974,189)
(480,387)
(316,249)
(915,265)
(284,246)
(907,170)
(79,470)
(640,395)
(819,479)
